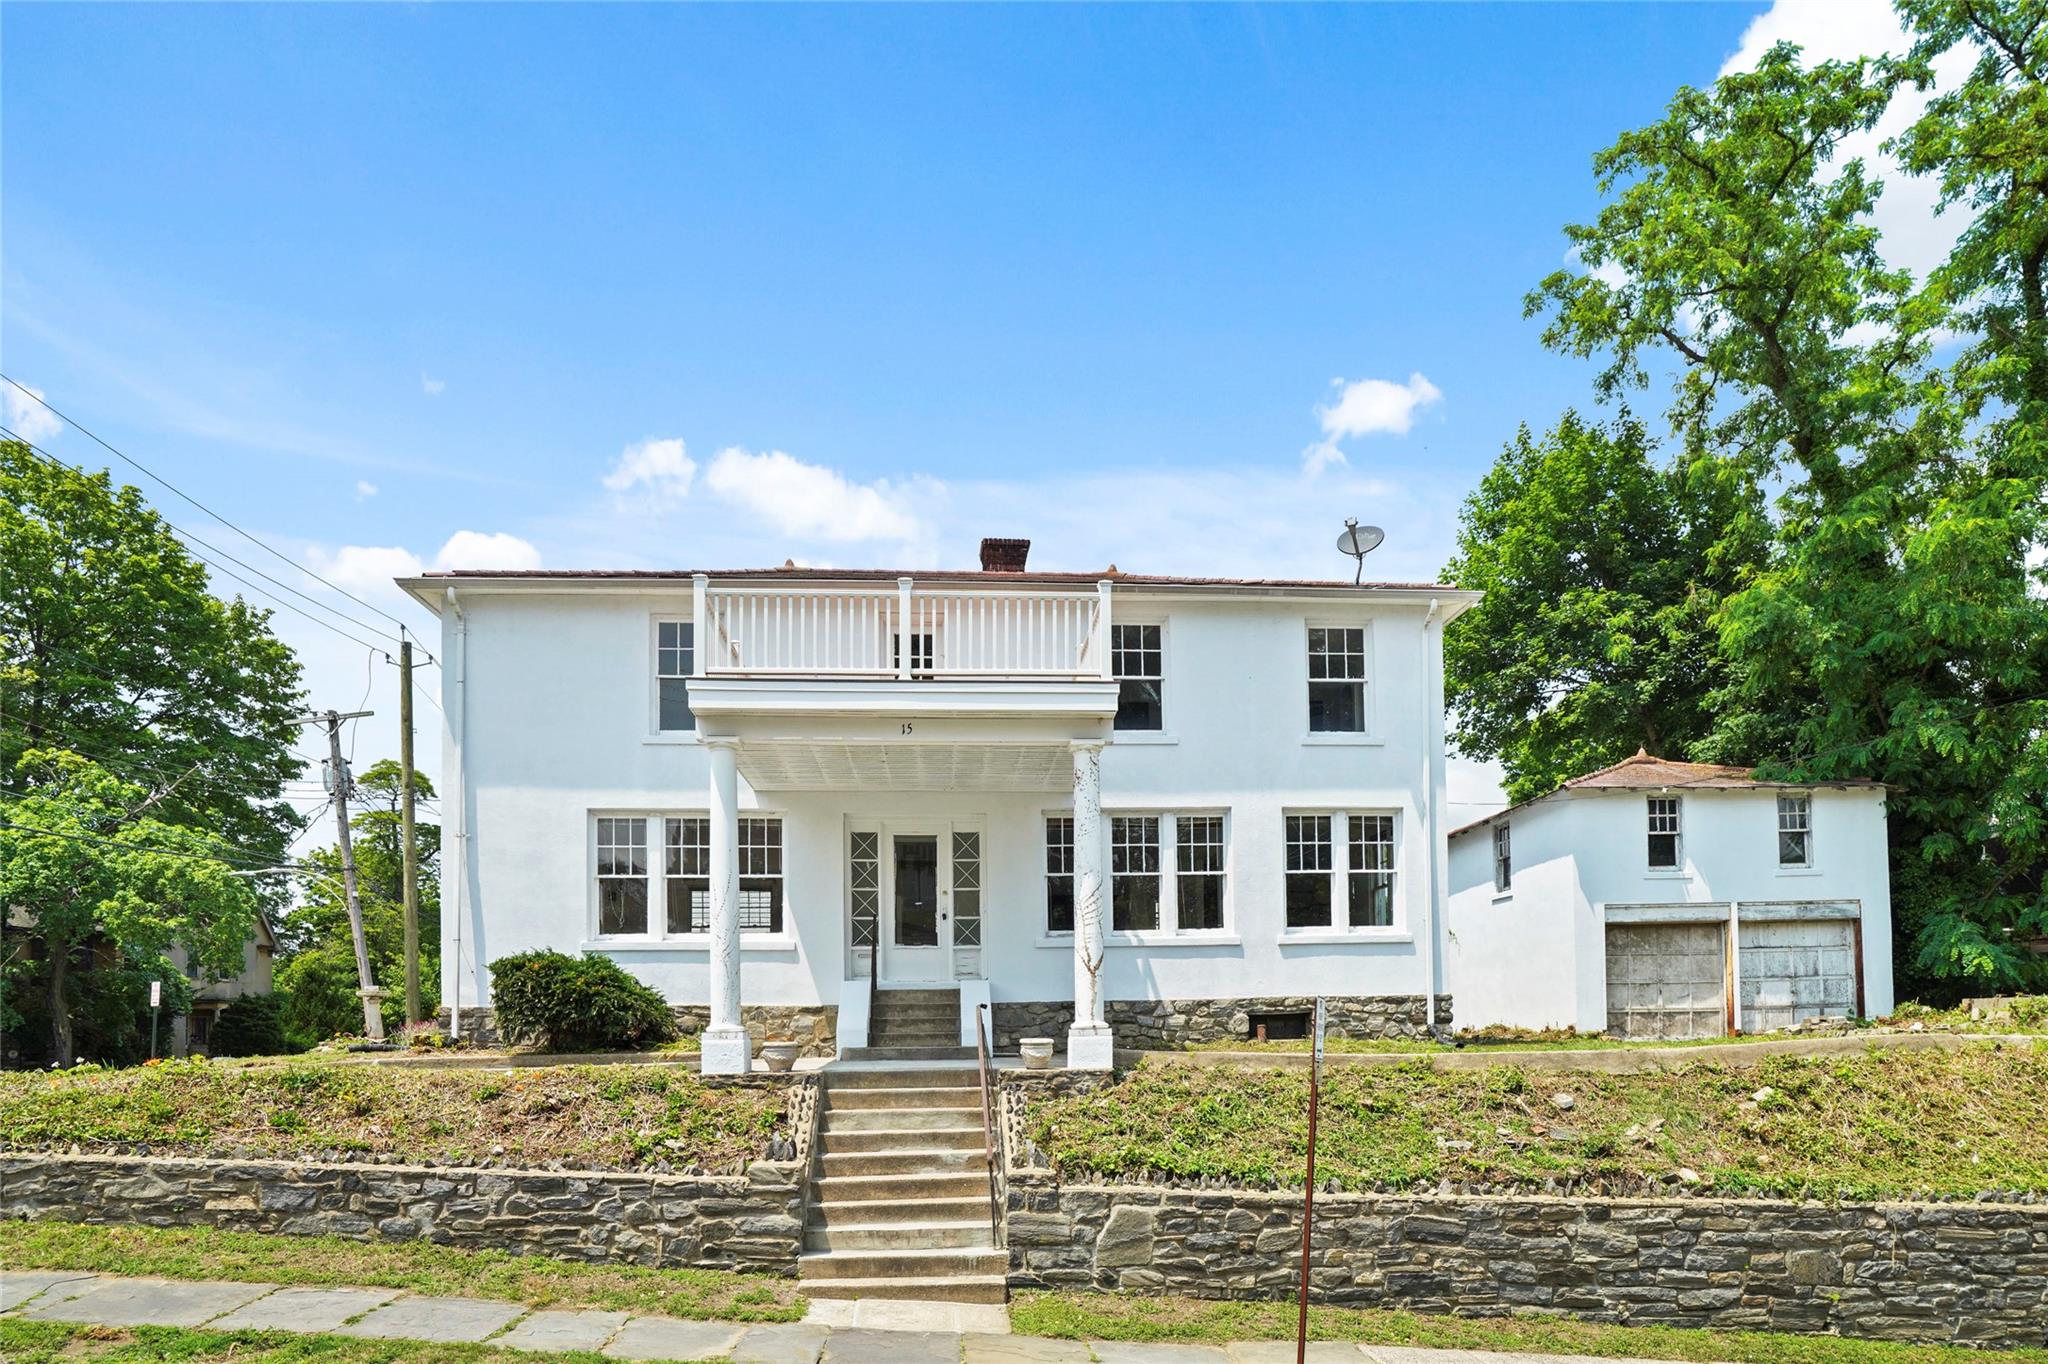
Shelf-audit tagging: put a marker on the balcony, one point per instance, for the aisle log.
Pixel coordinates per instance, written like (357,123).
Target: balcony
(905,633)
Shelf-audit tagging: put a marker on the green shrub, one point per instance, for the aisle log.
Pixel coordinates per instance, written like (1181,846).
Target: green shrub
(563,1003)
(250,1026)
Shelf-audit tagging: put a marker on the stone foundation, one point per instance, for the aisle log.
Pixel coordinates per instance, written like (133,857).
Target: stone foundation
(1164,1024)
(1973,1273)
(814,1025)
(752,1221)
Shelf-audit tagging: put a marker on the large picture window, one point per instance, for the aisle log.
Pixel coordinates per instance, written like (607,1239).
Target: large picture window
(1336,680)
(1139,664)
(1341,886)
(675,659)
(1167,873)
(629,881)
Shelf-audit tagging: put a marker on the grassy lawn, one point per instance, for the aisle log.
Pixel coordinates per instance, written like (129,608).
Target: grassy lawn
(53,1342)
(1880,1123)
(417,1266)
(1115,1316)
(616,1117)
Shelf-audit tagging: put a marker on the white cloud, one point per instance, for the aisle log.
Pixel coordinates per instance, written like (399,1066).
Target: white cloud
(811,500)
(1913,237)
(26,417)
(365,489)
(433,388)
(486,549)
(1369,407)
(663,467)
(1324,454)
(363,569)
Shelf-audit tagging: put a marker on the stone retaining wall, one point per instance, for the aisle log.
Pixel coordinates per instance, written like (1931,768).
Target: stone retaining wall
(752,1221)
(1162,1024)
(1965,1272)
(814,1025)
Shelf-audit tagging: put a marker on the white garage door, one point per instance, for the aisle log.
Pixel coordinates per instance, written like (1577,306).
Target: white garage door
(1795,970)
(1667,980)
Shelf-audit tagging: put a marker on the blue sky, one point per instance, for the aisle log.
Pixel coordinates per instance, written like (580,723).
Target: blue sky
(1177,288)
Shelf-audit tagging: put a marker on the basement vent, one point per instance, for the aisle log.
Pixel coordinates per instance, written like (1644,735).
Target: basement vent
(1287,1027)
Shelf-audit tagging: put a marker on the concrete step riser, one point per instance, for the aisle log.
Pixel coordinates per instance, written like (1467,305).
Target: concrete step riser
(964,1139)
(968,1236)
(904,1077)
(895,1211)
(895,1188)
(884,1264)
(904,1163)
(925,1290)
(962,1105)
(904,1055)
(883,1119)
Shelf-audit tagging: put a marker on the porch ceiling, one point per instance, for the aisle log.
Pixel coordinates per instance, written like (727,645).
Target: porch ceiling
(848,765)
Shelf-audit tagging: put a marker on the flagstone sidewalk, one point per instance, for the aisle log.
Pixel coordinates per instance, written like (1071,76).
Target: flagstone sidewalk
(870,1331)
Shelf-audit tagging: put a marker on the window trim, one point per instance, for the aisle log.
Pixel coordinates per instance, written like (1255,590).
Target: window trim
(1368,731)
(654,675)
(1503,858)
(1163,734)
(1676,832)
(1805,798)
(657,935)
(1169,931)
(1340,928)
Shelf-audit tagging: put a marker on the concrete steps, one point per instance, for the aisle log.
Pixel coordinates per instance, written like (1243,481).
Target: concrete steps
(914,1019)
(899,1195)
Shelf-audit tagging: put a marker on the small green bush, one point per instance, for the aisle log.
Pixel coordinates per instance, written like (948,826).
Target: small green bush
(562,1003)
(250,1026)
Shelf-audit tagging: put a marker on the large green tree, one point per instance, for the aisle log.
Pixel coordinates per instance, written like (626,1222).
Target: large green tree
(1603,570)
(1892,633)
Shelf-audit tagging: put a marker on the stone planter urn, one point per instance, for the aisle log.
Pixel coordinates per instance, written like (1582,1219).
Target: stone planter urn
(780,1055)
(1036,1051)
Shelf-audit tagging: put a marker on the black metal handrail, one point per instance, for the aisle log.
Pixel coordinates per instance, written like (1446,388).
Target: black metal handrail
(988,1128)
(874,986)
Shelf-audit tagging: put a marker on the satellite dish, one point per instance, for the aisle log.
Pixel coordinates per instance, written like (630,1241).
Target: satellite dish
(1359,541)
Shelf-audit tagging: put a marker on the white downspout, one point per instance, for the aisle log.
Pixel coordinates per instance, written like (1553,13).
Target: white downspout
(457,727)
(1432,745)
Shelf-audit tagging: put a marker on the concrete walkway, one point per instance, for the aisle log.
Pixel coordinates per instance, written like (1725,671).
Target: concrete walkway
(863,1331)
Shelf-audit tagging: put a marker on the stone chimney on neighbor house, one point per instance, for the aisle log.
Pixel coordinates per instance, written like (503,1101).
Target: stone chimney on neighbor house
(1004,556)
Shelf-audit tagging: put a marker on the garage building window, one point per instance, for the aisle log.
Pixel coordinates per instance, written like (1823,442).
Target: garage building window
(1503,860)
(1795,831)
(1664,833)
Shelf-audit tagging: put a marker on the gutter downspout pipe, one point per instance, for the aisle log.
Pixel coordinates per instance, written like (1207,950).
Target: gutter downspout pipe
(457,727)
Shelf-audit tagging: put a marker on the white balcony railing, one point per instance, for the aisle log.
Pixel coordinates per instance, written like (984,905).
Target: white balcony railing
(952,632)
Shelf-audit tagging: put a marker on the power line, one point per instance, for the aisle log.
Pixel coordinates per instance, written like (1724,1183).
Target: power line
(222,568)
(40,401)
(132,847)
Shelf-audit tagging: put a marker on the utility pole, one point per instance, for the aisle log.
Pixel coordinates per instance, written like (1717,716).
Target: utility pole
(373,1014)
(411,859)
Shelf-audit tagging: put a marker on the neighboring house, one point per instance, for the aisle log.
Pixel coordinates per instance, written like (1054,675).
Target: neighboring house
(1113,807)
(1668,899)
(209,997)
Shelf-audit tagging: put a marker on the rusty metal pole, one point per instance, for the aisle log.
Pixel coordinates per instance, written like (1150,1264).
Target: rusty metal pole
(1308,1189)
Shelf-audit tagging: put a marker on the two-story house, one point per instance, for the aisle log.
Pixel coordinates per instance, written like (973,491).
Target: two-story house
(1668,899)
(1114,808)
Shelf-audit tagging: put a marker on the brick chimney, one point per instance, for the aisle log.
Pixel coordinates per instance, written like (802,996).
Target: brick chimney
(1004,556)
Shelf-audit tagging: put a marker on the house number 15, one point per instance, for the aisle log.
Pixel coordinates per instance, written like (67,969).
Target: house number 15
(907,727)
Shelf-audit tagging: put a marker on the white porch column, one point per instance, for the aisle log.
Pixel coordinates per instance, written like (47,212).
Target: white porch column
(1089,1043)
(727,1050)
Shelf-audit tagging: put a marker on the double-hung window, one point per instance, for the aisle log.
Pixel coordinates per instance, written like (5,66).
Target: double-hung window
(1336,679)
(679,881)
(1351,888)
(1134,873)
(1059,874)
(1795,831)
(1138,662)
(1664,833)
(675,657)
(1503,859)
(1168,872)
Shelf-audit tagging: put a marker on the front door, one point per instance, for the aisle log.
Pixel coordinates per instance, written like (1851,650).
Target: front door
(918,942)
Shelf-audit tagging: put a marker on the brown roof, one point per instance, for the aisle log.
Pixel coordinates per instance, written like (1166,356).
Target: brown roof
(1646,773)
(975,575)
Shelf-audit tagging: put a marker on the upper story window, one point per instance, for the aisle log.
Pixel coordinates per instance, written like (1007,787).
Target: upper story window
(924,652)
(1336,679)
(1664,832)
(1795,831)
(675,660)
(1059,874)
(1137,660)
(1134,873)
(628,881)
(1355,891)
(1503,859)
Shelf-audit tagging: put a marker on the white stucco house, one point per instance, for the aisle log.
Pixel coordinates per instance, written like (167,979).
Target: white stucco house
(1116,808)
(1667,899)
